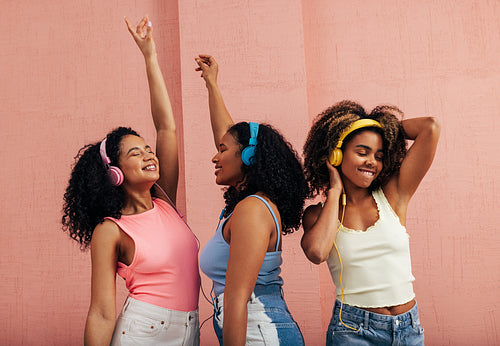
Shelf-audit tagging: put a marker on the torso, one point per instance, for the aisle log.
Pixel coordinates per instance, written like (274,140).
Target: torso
(361,216)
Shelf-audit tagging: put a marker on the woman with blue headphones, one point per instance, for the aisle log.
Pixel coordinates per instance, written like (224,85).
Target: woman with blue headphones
(116,205)
(264,199)
(360,163)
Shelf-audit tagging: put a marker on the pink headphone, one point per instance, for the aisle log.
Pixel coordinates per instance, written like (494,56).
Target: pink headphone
(114,173)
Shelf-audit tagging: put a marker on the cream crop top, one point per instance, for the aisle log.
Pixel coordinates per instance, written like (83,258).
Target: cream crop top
(377,265)
(164,271)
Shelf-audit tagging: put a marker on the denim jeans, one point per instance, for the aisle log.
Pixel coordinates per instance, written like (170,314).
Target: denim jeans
(269,321)
(141,323)
(374,329)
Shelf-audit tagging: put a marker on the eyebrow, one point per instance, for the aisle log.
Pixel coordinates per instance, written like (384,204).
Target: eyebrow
(137,148)
(367,147)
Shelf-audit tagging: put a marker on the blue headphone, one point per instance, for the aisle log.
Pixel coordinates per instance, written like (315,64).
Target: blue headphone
(248,154)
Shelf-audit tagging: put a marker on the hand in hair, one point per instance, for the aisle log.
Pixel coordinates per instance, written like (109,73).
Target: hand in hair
(335,180)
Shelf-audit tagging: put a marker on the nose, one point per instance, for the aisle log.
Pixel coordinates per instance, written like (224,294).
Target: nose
(215,158)
(148,156)
(370,160)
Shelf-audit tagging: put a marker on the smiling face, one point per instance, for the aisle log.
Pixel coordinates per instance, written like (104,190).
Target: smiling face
(362,158)
(228,162)
(137,161)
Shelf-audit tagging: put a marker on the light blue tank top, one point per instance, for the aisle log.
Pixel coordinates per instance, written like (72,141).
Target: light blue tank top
(215,255)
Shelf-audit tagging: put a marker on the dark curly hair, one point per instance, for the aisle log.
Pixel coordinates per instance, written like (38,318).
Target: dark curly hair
(326,131)
(90,196)
(277,173)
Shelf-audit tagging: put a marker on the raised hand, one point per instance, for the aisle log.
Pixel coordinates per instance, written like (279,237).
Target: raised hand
(143,36)
(208,67)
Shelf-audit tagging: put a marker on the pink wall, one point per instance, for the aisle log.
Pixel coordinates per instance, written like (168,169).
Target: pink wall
(70,72)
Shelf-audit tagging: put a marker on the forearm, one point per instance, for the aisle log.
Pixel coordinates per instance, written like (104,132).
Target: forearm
(318,239)
(161,108)
(234,327)
(427,127)
(219,116)
(98,330)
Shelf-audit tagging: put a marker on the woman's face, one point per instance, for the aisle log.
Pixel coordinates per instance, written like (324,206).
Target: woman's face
(137,161)
(362,158)
(228,162)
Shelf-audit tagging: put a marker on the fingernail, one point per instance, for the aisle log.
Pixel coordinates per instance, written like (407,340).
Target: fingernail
(150,24)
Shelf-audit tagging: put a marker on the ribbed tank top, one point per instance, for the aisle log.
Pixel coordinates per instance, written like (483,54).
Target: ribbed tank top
(377,264)
(164,271)
(215,256)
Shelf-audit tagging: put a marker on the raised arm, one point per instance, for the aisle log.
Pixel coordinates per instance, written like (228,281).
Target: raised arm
(319,223)
(219,116)
(161,109)
(101,317)
(425,135)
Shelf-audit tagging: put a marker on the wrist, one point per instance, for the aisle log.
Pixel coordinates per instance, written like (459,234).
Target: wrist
(334,192)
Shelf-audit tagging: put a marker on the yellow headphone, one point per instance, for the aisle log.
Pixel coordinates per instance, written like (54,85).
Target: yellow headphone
(336,156)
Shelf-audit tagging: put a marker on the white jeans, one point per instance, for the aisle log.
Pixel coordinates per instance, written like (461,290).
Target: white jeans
(141,323)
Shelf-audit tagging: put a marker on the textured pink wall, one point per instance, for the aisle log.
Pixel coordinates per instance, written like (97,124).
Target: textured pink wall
(70,72)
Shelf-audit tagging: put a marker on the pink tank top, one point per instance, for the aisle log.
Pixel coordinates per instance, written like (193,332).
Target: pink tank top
(164,271)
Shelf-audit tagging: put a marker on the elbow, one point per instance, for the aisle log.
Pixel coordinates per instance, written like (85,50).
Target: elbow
(315,254)
(433,125)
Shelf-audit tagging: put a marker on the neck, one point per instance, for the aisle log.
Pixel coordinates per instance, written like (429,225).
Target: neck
(354,193)
(137,200)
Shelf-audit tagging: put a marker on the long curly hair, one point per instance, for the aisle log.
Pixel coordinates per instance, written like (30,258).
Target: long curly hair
(332,122)
(276,172)
(90,196)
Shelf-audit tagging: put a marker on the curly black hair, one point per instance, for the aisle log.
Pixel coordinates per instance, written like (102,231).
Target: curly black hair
(276,172)
(332,122)
(90,196)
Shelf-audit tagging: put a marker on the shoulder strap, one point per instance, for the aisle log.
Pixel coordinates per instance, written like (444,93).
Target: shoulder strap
(274,217)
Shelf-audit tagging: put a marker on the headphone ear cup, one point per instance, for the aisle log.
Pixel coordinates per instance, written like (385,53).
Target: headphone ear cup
(336,157)
(116,175)
(248,155)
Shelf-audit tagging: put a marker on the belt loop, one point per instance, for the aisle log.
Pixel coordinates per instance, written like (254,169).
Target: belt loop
(127,303)
(367,320)
(414,316)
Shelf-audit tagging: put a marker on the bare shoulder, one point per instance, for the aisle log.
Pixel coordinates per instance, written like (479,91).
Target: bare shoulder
(107,232)
(310,215)
(253,207)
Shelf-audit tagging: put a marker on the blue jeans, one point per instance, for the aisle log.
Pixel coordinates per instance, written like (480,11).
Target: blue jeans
(374,329)
(269,321)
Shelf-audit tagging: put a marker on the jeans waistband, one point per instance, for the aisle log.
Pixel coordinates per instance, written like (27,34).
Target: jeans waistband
(158,313)
(258,290)
(367,318)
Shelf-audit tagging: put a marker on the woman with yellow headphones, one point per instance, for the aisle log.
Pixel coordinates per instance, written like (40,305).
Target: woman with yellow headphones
(360,164)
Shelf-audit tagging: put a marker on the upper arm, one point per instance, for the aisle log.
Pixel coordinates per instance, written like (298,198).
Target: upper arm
(104,253)
(167,153)
(425,133)
(251,228)
(310,216)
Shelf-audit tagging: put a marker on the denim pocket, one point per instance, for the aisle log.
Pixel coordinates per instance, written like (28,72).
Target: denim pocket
(280,333)
(139,330)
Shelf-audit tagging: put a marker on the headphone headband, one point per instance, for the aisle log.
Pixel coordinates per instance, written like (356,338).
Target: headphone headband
(358,124)
(336,156)
(104,156)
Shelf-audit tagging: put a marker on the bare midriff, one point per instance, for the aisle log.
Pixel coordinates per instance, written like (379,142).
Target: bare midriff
(393,310)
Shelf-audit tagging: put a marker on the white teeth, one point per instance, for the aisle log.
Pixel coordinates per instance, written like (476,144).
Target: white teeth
(150,167)
(371,174)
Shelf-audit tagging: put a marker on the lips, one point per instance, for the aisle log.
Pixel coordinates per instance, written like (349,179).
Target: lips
(367,172)
(217,170)
(150,167)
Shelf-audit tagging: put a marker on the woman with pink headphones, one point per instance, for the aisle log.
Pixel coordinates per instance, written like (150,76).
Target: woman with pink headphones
(120,203)
(360,165)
